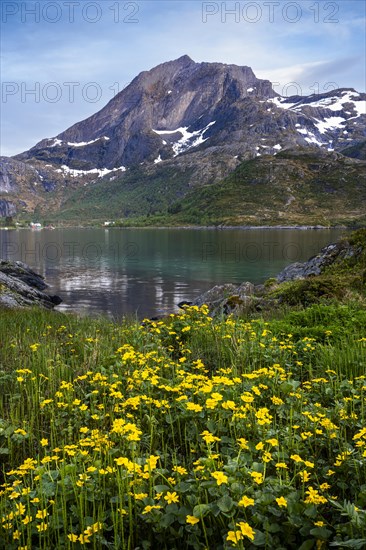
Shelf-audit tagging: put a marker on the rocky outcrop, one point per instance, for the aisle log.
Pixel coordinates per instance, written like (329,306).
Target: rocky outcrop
(21,287)
(227,299)
(7,208)
(315,265)
(238,300)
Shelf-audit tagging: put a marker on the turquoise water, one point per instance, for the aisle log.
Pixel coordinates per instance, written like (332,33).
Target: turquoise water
(146,272)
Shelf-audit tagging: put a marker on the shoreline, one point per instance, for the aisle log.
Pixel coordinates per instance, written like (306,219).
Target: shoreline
(196,227)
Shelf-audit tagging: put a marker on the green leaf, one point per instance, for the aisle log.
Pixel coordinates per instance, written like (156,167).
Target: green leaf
(183,487)
(201,510)
(321,533)
(307,545)
(167,520)
(161,488)
(260,539)
(357,544)
(225,503)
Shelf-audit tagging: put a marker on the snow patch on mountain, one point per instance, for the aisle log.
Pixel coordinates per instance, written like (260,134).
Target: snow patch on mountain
(333,103)
(84,143)
(188,139)
(330,123)
(100,172)
(58,142)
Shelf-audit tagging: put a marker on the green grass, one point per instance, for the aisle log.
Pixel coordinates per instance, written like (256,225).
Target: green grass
(189,432)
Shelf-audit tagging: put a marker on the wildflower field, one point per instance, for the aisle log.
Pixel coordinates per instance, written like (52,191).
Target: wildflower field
(189,432)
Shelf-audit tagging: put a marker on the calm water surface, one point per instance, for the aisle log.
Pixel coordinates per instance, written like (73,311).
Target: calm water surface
(146,272)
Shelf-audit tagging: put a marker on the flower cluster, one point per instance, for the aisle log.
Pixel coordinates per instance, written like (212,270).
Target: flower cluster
(159,444)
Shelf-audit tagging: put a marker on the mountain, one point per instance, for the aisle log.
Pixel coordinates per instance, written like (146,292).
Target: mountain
(181,128)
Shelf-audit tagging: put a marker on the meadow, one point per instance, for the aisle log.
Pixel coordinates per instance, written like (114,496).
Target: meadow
(188,432)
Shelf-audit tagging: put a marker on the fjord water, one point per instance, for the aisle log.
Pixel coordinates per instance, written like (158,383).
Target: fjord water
(146,272)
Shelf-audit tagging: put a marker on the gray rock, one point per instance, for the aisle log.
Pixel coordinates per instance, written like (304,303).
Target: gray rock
(21,287)
(24,273)
(7,208)
(228,299)
(315,265)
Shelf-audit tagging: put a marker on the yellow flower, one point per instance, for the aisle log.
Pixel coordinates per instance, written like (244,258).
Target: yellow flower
(27,519)
(192,520)
(180,470)
(72,537)
(208,437)
(234,536)
(42,527)
(220,477)
(282,502)
(20,431)
(296,458)
(243,443)
(84,539)
(277,400)
(314,497)
(246,530)
(149,508)
(171,497)
(151,463)
(304,476)
(20,509)
(140,496)
(44,442)
(246,501)
(258,477)
(41,514)
(16,535)
(34,347)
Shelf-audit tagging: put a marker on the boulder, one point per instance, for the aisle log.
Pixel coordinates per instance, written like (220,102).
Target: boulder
(22,287)
(227,299)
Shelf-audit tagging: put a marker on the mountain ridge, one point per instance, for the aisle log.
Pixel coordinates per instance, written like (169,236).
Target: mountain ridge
(201,119)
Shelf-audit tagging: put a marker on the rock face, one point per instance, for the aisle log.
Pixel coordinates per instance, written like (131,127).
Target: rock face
(7,208)
(315,265)
(21,287)
(203,119)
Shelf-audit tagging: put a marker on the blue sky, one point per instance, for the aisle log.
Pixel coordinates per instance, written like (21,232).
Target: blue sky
(63,60)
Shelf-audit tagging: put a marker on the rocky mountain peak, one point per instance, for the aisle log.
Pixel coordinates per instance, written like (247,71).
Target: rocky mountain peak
(203,119)
(176,95)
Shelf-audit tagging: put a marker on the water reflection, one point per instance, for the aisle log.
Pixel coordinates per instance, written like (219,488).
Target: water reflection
(146,272)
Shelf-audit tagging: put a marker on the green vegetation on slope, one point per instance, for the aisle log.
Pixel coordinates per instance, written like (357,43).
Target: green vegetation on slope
(287,188)
(298,187)
(135,194)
